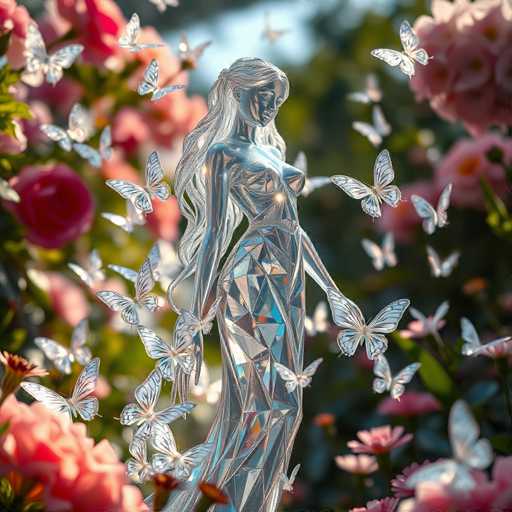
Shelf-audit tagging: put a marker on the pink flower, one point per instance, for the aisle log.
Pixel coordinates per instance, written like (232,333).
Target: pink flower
(403,220)
(419,329)
(398,484)
(504,71)
(130,129)
(463,81)
(66,298)
(116,168)
(164,220)
(76,474)
(61,96)
(55,205)
(466,163)
(383,505)
(357,464)
(498,349)
(32,127)
(14,18)
(411,403)
(98,24)
(379,440)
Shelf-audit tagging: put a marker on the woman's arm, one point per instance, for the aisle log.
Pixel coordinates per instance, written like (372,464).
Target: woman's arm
(217,195)
(314,266)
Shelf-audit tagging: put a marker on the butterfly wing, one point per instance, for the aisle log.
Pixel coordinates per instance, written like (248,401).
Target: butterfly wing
(383,372)
(346,313)
(119,221)
(408,37)
(78,339)
(106,143)
(392,58)
(464,432)
(82,274)
(291,380)
(139,198)
(426,211)
(368,131)
(190,459)
(403,377)
(371,205)
(56,353)
(117,302)
(348,340)
(442,471)
(359,97)
(383,172)
(88,153)
(375,252)
(441,312)
(127,273)
(154,177)
(35,49)
(7,192)
(311,369)
(149,83)
(156,348)
(79,123)
(301,162)
(449,264)
(443,204)
(164,91)
(62,59)
(352,187)
(434,262)
(85,405)
(387,319)
(380,123)
(470,336)
(144,284)
(174,412)
(388,249)
(131,33)
(58,135)
(47,397)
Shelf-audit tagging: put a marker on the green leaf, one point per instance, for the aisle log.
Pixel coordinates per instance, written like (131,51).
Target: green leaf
(434,376)
(502,443)
(4,427)
(4,42)
(6,492)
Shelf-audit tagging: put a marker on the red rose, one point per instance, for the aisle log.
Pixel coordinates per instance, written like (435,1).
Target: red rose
(55,205)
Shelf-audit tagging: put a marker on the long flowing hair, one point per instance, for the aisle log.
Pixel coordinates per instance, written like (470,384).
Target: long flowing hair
(216,126)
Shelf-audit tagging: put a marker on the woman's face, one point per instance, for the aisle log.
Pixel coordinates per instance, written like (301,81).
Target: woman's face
(259,105)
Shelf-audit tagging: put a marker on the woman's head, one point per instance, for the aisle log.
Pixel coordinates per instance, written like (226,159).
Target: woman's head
(253,88)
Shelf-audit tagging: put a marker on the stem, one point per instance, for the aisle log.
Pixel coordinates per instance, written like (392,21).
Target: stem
(502,367)
(385,468)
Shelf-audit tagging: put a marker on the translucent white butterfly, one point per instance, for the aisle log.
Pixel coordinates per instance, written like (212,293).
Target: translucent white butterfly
(302,379)
(128,273)
(188,325)
(149,83)
(433,217)
(93,156)
(143,414)
(127,223)
(469,453)
(92,272)
(79,128)
(269,33)
(7,192)
(355,331)
(411,54)
(377,130)
(311,184)
(169,459)
(40,65)
(189,56)
(431,324)
(289,481)
(381,256)
(140,197)
(473,346)
(143,298)
(138,467)
(381,191)
(63,357)
(162,5)
(319,322)
(385,381)
(439,267)
(130,36)
(371,93)
(80,403)
(168,355)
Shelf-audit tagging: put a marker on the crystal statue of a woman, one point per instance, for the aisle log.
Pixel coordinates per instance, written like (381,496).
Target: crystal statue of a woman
(233,165)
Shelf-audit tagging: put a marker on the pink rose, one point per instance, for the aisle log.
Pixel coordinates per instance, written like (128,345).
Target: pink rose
(55,205)
(98,24)
(466,163)
(164,220)
(403,220)
(76,474)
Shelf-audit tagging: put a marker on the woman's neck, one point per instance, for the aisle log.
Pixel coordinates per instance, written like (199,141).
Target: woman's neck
(243,131)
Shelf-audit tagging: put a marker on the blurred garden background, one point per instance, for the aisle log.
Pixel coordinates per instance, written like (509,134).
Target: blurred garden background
(450,124)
